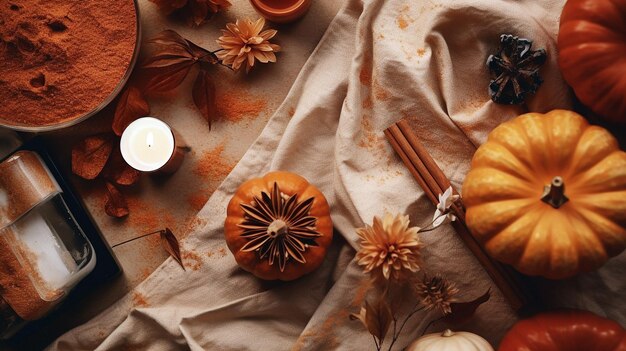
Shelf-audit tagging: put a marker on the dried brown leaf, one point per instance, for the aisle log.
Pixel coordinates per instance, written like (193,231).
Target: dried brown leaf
(115,205)
(169,6)
(375,317)
(170,244)
(463,311)
(199,12)
(173,58)
(90,155)
(118,171)
(204,96)
(130,106)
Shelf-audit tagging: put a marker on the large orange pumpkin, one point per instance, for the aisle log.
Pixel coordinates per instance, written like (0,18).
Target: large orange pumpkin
(278,226)
(592,54)
(547,194)
(565,331)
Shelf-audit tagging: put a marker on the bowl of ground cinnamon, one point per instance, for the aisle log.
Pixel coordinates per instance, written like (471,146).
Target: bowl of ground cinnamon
(62,61)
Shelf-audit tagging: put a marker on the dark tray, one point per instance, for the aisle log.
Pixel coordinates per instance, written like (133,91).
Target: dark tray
(107,267)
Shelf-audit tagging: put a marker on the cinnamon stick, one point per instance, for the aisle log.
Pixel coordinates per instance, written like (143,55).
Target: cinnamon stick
(434,182)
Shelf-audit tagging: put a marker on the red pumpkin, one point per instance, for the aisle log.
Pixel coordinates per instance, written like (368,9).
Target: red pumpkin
(565,331)
(592,54)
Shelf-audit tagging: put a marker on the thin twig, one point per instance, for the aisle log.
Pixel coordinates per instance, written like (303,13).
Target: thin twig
(376,342)
(139,237)
(431,323)
(397,336)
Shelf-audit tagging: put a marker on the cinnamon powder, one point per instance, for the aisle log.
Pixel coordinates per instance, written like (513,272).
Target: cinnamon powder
(60,59)
(236,105)
(17,283)
(212,165)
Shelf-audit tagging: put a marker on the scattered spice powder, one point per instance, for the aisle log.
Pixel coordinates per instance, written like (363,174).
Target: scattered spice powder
(365,75)
(367,102)
(145,217)
(192,260)
(421,52)
(238,105)
(198,199)
(402,23)
(403,18)
(212,165)
(60,59)
(381,93)
(222,252)
(139,300)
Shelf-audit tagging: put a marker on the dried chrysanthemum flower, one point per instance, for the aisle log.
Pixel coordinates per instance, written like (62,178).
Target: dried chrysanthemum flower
(389,248)
(245,41)
(197,11)
(436,293)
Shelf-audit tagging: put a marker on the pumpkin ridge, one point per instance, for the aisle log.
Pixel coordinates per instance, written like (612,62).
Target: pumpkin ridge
(586,155)
(606,244)
(497,152)
(510,230)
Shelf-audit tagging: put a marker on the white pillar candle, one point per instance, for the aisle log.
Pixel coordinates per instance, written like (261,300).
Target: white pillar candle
(147,144)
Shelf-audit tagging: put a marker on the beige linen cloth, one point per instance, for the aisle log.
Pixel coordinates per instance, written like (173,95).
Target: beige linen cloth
(380,61)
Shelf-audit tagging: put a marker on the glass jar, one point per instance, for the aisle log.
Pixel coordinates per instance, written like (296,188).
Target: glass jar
(44,252)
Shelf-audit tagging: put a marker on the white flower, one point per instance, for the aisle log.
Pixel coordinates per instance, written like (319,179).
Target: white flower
(442,212)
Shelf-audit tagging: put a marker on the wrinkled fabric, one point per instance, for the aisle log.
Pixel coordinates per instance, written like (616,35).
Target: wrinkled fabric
(379,61)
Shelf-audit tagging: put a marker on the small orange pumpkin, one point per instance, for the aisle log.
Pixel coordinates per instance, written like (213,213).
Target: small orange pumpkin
(278,226)
(547,194)
(592,54)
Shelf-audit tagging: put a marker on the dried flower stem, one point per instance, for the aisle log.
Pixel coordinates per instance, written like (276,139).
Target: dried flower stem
(431,323)
(396,334)
(135,238)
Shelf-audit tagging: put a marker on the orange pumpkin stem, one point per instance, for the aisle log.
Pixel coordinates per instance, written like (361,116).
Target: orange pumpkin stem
(554,193)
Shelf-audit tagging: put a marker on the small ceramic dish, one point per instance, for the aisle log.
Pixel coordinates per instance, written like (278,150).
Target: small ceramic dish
(281,11)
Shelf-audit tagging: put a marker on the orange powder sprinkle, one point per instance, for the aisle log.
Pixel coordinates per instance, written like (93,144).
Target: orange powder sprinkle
(222,252)
(402,23)
(367,103)
(381,93)
(365,75)
(197,200)
(421,52)
(192,260)
(139,300)
(145,217)
(212,164)
(235,105)
(370,139)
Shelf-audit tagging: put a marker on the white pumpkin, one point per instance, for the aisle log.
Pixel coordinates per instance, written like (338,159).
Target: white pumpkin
(450,341)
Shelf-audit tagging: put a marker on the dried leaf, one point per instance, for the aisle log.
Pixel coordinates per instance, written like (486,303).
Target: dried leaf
(170,244)
(199,12)
(378,318)
(116,205)
(118,171)
(360,316)
(173,58)
(204,96)
(169,6)
(130,106)
(463,311)
(90,155)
